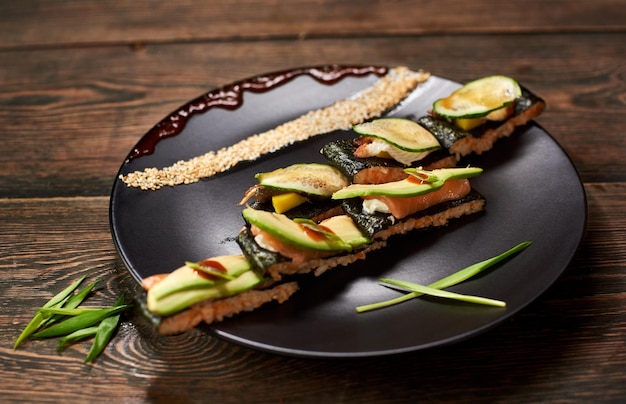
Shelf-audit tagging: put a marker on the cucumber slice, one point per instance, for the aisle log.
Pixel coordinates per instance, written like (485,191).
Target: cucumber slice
(408,187)
(478,98)
(312,179)
(292,233)
(402,133)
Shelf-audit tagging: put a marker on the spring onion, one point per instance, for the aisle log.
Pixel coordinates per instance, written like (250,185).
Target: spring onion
(39,318)
(62,317)
(71,302)
(414,287)
(86,319)
(76,336)
(62,311)
(448,281)
(104,333)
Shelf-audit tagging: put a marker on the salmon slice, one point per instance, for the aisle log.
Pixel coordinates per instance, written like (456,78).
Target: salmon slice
(297,255)
(149,282)
(379,175)
(402,207)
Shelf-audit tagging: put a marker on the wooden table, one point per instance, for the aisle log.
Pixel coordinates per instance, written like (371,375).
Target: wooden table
(82,81)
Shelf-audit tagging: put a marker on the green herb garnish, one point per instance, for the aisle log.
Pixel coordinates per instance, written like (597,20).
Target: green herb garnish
(446,282)
(198,266)
(77,322)
(414,287)
(104,333)
(62,317)
(39,318)
(76,336)
(71,302)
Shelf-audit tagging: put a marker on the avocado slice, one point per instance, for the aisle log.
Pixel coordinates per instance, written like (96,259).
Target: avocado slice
(444,174)
(408,187)
(293,233)
(186,286)
(344,227)
(187,277)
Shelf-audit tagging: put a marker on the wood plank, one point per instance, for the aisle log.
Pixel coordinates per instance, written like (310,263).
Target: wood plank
(40,255)
(70,116)
(49,23)
(82,80)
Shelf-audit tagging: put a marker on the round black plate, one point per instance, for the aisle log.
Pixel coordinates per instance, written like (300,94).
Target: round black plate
(533,193)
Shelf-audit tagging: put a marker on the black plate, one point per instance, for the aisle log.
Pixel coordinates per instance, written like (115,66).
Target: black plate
(533,193)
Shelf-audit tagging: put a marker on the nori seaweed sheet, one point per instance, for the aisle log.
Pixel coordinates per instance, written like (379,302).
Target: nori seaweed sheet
(259,257)
(447,133)
(340,154)
(371,224)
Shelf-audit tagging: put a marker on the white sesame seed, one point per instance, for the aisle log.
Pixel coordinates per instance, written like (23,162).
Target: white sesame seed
(343,114)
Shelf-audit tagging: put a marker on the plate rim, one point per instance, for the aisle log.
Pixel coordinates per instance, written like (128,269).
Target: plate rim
(215,330)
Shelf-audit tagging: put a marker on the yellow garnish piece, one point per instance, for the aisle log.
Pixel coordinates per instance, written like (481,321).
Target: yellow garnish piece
(469,123)
(284,202)
(500,114)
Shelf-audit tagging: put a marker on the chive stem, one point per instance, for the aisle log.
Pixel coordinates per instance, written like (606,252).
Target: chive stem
(39,318)
(104,333)
(77,322)
(70,302)
(448,281)
(62,311)
(76,336)
(445,294)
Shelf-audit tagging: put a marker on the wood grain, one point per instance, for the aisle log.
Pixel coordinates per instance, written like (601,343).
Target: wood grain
(33,23)
(81,81)
(64,238)
(72,115)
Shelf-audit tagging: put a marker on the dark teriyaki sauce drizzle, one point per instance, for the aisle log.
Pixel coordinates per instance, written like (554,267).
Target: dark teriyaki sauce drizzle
(231,97)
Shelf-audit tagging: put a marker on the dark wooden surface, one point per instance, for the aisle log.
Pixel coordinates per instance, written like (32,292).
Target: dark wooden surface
(81,81)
